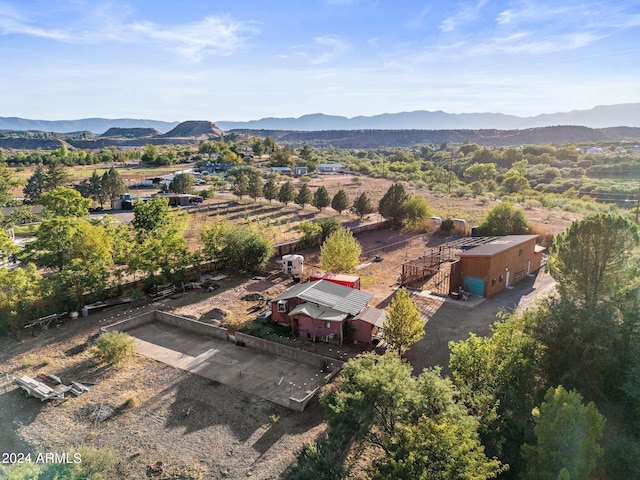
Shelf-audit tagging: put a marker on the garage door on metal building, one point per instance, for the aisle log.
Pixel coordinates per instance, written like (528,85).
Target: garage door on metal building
(474,286)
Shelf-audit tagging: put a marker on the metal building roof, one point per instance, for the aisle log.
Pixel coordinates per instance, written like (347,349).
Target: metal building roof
(328,294)
(498,245)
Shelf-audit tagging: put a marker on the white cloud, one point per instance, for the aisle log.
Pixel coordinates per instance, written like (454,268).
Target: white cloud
(333,47)
(213,35)
(467,13)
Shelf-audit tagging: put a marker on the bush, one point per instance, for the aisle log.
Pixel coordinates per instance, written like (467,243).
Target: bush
(114,348)
(447,225)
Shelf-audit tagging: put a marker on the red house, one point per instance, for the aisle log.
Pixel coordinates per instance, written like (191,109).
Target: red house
(320,311)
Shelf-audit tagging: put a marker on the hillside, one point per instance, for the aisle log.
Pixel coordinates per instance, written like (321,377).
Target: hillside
(407,138)
(131,132)
(95,125)
(196,129)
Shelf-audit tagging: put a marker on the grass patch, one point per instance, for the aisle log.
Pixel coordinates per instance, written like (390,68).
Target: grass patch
(265,330)
(132,400)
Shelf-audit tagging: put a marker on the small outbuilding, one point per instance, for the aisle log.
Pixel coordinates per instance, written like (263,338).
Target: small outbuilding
(368,324)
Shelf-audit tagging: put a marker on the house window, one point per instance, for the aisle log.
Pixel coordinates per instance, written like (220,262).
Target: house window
(520,252)
(282,306)
(501,278)
(327,325)
(493,282)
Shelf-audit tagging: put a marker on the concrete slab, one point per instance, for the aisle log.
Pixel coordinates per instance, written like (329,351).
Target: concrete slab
(473,300)
(259,373)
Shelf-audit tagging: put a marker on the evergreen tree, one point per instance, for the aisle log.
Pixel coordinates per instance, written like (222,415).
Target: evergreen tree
(270,190)
(362,205)
(254,185)
(321,198)
(392,205)
(286,193)
(304,196)
(36,184)
(340,201)
(112,184)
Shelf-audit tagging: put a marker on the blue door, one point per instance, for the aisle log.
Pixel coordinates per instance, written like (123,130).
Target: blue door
(474,286)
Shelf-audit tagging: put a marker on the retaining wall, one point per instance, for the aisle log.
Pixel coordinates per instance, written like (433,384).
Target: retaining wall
(285,351)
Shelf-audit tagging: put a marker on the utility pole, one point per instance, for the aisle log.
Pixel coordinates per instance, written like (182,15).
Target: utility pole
(638,204)
(450,171)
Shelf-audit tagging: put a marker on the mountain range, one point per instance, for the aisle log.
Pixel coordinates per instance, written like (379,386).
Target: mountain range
(603,116)
(627,115)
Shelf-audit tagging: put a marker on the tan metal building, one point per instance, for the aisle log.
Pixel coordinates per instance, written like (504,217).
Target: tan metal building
(490,268)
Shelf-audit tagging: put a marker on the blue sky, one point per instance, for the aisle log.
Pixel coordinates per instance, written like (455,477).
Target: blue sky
(246,59)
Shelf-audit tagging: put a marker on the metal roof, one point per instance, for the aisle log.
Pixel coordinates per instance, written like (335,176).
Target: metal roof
(372,315)
(319,313)
(498,245)
(328,294)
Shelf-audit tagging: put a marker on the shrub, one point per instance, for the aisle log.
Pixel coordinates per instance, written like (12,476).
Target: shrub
(114,348)
(447,225)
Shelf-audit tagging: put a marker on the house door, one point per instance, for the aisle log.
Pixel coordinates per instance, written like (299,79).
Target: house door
(528,267)
(506,283)
(294,326)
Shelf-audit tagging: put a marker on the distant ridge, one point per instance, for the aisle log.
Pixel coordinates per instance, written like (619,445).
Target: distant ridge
(95,125)
(603,116)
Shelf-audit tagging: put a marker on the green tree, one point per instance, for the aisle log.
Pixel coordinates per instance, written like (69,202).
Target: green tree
(281,158)
(112,184)
(236,247)
(240,185)
(36,184)
(340,252)
(311,233)
(392,205)
(304,196)
(416,210)
(306,153)
(64,202)
(182,183)
(321,198)
(340,201)
(403,326)
(270,190)
(286,193)
(362,206)
(514,181)
(254,185)
(151,215)
(7,247)
(269,145)
(57,175)
(500,379)
(258,148)
(7,183)
(503,219)
(414,425)
(149,153)
(24,295)
(591,261)
(96,191)
(568,435)
(481,172)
